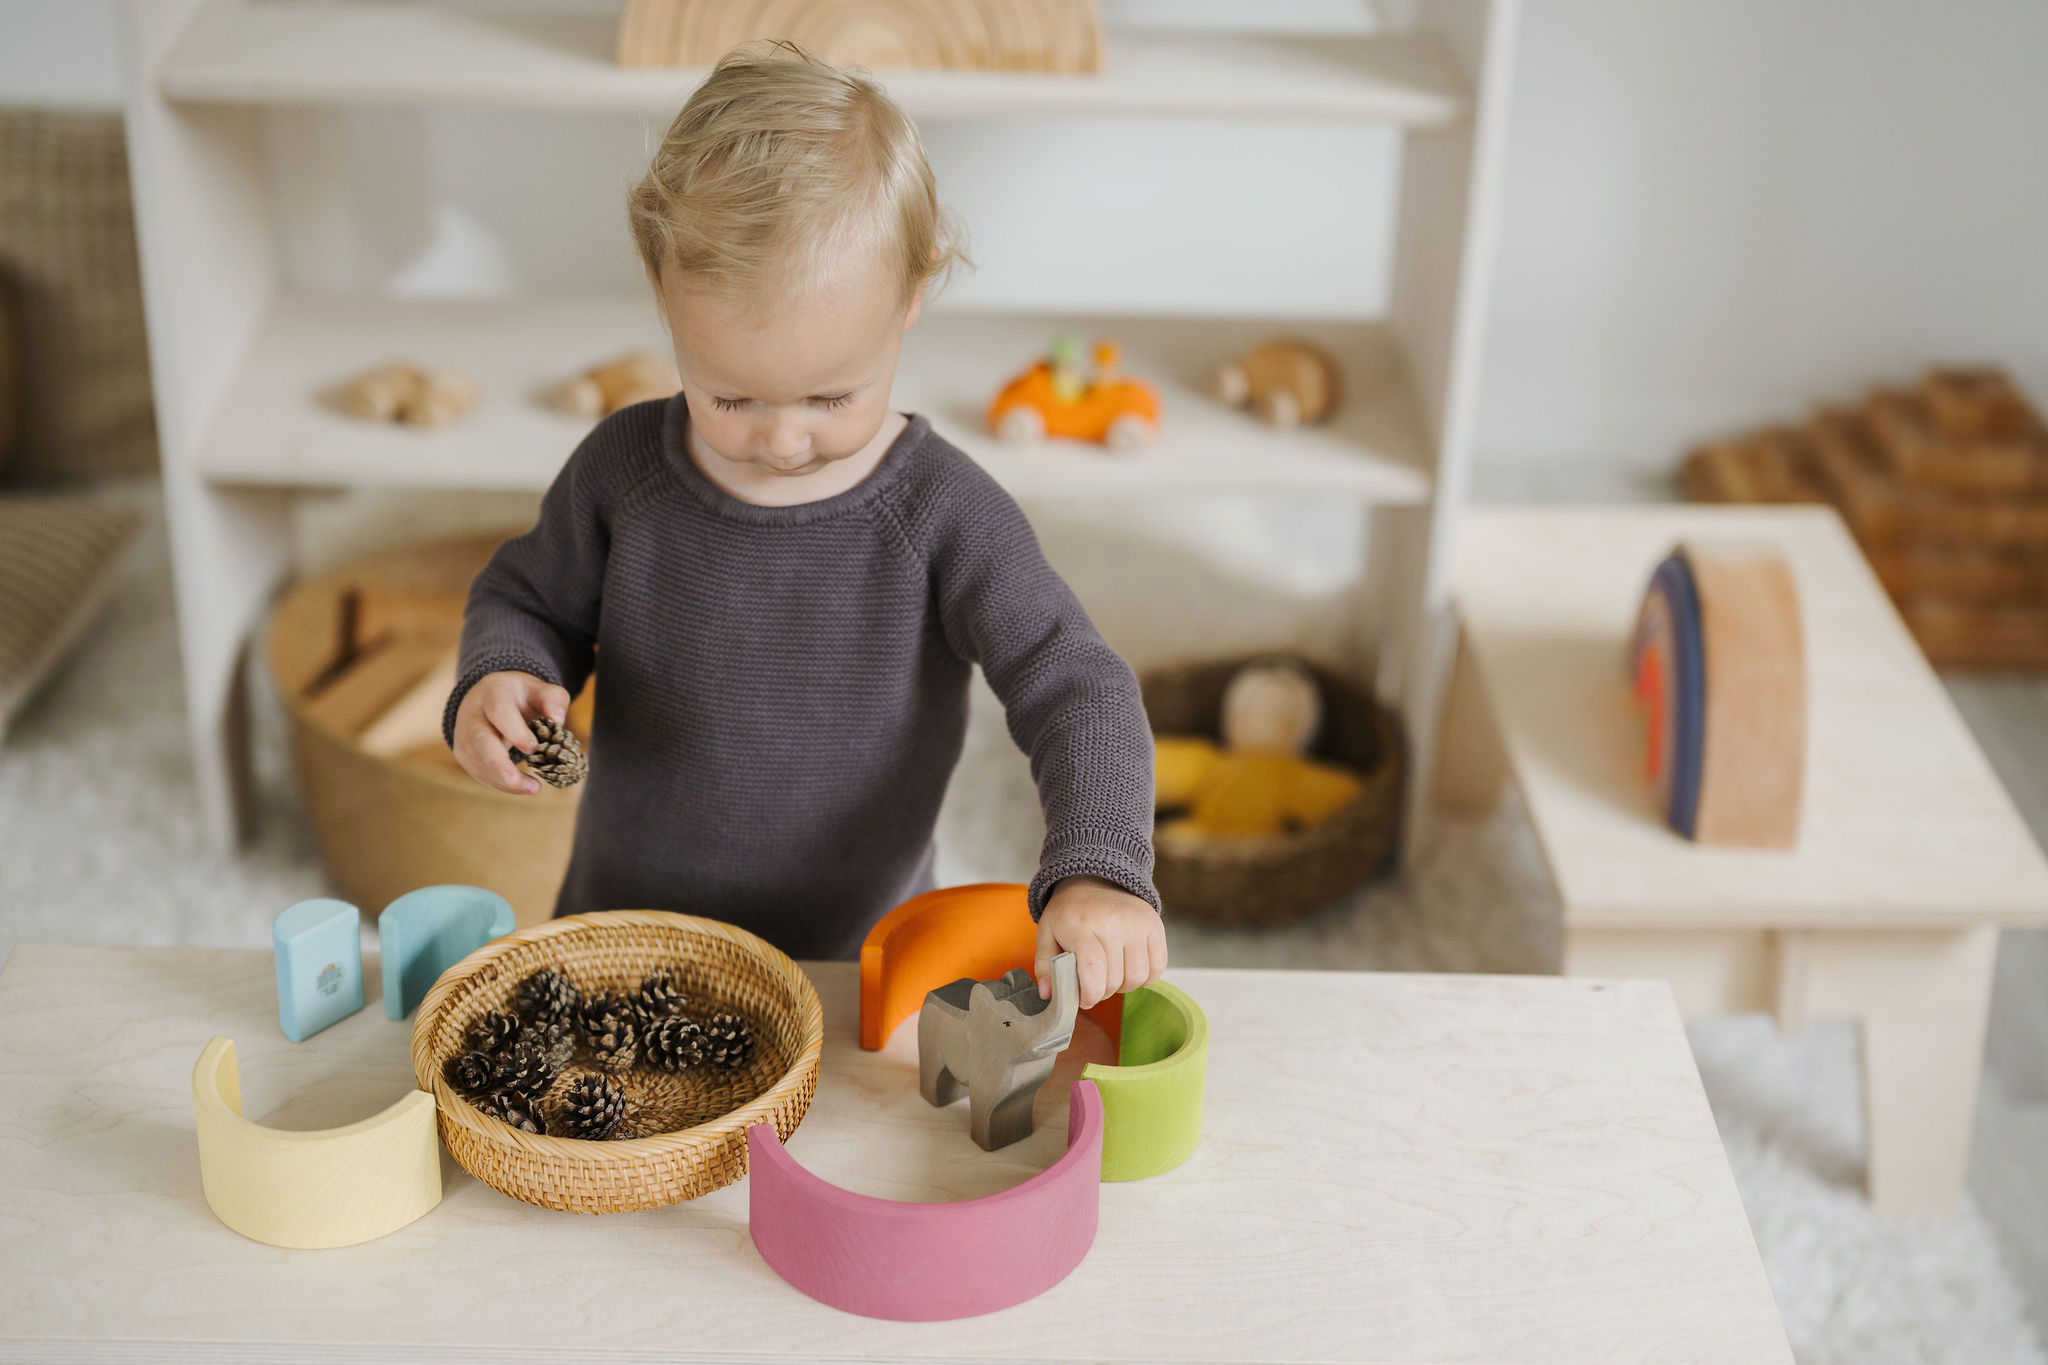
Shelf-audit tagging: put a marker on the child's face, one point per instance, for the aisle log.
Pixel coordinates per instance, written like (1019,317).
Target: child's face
(787,388)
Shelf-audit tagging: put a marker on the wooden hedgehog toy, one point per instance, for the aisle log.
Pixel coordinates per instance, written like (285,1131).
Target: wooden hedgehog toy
(1289,383)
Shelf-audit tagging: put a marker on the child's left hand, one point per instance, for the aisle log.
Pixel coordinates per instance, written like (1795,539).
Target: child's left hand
(1117,939)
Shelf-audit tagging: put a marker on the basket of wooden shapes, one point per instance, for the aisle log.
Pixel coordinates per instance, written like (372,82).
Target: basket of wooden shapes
(656,1038)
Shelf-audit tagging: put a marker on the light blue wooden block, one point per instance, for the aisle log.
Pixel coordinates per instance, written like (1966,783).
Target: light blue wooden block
(425,932)
(319,949)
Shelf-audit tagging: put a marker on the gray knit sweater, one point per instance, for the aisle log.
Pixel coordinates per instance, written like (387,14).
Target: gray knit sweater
(785,688)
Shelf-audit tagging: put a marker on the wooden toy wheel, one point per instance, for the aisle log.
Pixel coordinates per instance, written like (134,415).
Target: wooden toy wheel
(1021,424)
(1128,433)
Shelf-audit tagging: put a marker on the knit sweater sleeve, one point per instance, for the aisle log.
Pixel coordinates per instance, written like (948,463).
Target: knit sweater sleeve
(1071,701)
(534,605)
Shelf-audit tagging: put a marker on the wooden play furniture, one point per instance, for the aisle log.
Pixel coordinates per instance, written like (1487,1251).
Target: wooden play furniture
(1396,1169)
(311,1189)
(915,1261)
(1909,858)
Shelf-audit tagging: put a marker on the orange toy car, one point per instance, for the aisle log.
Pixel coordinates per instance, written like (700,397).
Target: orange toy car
(1052,399)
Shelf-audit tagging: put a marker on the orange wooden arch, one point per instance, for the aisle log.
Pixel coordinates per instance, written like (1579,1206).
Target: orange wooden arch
(979,931)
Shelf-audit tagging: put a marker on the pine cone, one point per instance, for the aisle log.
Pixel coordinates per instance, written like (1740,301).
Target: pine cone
(556,1042)
(610,1028)
(508,1107)
(728,1042)
(470,1073)
(592,1108)
(674,1043)
(492,1033)
(546,996)
(523,1069)
(558,758)
(659,998)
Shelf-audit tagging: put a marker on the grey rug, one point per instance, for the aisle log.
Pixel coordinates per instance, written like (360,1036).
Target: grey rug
(100,842)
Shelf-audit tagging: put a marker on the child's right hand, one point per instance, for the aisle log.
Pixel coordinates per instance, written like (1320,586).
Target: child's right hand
(492,719)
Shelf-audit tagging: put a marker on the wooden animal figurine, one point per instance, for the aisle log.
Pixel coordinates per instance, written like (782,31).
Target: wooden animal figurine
(319,949)
(915,1262)
(1152,1097)
(632,378)
(310,1190)
(1008,35)
(425,932)
(418,397)
(1288,382)
(978,931)
(1719,668)
(996,1040)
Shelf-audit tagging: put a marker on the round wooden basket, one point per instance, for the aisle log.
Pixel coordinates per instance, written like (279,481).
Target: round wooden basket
(1274,878)
(721,965)
(387,825)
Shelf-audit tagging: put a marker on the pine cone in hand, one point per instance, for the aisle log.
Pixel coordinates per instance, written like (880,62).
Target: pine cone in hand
(470,1073)
(728,1042)
(555,1041)
(674,1043)
(492,1033)
(610,1028)
(524,1070)
(558,758)
(659,997)
(509,1107)
(592,1108)
(546,997)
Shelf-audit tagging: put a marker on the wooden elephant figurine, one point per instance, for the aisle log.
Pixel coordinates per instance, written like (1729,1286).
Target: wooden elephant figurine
(997,1040)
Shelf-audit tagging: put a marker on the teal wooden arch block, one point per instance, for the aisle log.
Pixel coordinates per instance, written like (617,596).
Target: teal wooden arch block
(319,949)
(1152,1100)
(425,932)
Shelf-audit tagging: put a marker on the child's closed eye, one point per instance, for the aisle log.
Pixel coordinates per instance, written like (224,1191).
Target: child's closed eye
(837,400)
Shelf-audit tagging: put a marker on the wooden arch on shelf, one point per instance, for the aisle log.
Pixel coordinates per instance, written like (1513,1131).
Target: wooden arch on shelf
(1006,35)
(308,1190)
(982,931)
(918,1262)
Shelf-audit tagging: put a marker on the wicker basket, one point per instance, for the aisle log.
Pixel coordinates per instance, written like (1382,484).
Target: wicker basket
(1272,879)
(713,961)
(390,825)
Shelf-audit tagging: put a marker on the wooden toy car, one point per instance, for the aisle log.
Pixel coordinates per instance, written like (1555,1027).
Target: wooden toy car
(1052,399)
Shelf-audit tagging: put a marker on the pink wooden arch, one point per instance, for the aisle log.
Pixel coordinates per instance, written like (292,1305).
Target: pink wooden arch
(913,1262)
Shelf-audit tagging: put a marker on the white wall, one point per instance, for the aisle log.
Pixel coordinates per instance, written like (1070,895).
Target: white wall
(1716,211)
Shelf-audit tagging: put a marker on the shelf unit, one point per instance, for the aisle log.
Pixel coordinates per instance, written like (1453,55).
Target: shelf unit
(243,364)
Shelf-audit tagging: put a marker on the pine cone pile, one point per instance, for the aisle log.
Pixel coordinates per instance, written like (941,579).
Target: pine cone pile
(558,758)
(601,1063)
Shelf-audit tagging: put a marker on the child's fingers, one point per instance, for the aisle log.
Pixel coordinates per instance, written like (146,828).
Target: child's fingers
(1137,964)
(1090,968)
(1155,949)
(1041,966)
(507,729)
(551,701)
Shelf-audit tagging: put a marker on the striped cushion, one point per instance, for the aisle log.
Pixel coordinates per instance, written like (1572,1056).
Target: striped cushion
(58,559)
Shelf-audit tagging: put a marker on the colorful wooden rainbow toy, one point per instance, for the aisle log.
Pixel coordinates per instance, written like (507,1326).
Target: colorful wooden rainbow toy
(1719,665)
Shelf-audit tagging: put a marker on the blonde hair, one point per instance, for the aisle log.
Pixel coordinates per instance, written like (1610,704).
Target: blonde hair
(777,168)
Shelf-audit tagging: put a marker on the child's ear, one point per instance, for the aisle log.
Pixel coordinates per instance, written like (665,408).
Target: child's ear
(916,307)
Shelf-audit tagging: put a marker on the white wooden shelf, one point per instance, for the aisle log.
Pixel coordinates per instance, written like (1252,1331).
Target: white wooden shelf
(279,424)
(234,52)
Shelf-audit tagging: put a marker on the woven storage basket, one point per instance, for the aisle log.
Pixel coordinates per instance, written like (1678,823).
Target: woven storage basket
(713,961)
(386,826)
(1272,879)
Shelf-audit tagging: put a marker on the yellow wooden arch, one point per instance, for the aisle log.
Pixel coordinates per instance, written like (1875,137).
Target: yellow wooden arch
(328,1188)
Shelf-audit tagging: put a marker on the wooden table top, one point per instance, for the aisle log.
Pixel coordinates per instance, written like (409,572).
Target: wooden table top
(1393,1168)
(1903,823)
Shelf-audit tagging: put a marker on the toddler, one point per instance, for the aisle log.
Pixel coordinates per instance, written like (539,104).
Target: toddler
(788,582)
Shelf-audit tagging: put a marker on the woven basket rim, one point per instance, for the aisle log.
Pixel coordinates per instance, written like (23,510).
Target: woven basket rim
(615,1151)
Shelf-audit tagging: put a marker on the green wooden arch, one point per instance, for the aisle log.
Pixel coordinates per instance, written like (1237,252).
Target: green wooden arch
(1152,1098)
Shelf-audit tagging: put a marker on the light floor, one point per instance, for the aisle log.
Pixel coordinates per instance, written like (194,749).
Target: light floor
(99,842)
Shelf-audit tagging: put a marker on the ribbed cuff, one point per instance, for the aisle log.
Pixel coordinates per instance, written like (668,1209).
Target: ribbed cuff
(1111,855)
(476,672)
